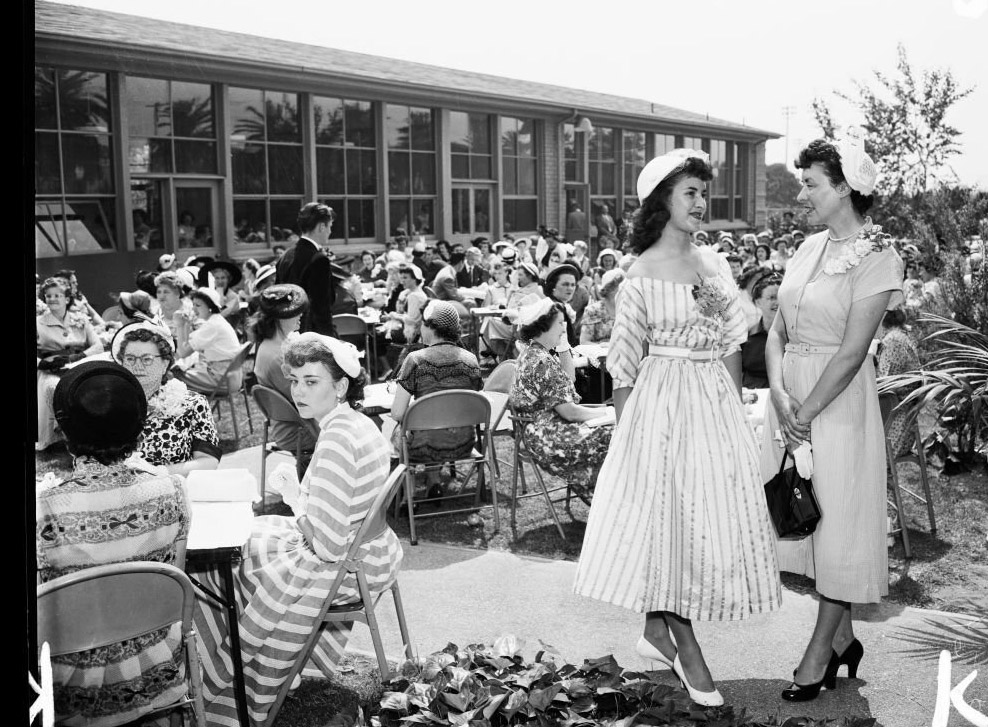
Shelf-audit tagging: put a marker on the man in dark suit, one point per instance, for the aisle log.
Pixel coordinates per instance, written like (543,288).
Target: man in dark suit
(472,274)
(306,265)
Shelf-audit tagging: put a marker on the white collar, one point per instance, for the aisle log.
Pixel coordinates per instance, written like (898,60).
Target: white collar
(309,239)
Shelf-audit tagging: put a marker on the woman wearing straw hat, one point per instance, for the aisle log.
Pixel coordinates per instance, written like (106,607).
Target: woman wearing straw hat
(679,529)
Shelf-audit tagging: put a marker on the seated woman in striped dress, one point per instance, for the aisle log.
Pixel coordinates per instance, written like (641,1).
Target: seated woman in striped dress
(290,563)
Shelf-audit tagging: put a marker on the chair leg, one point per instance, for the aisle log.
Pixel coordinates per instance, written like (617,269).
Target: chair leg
(514,486)
(194,674)
(493,481)
(548,499)
(250,420)
(402,626)
(365,595)
(924,478)
(410,496)
(897,494)
(264,461)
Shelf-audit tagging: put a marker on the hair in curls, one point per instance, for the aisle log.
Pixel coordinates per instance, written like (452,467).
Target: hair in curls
(825,153)
(299,353)
(54,282)
(106,454)
(765,282)
(541,324)
(143,335)
(651,218)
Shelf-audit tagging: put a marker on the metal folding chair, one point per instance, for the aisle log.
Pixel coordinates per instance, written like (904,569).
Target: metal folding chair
(276,408)
(363,611)
(226,390)
(349,327)
(888,402)
(500,380)
(523,456)
(444,410)
(112,604)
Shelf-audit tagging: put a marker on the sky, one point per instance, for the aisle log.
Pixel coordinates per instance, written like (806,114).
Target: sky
(743,60)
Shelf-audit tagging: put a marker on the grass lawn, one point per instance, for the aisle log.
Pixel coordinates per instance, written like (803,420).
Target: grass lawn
(947,572)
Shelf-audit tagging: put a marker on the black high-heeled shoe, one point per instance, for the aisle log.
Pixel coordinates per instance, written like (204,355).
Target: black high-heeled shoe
(851,658)
(807,692)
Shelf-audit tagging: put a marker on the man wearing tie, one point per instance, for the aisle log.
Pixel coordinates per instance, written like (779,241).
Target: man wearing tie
(473,273)
(306,265)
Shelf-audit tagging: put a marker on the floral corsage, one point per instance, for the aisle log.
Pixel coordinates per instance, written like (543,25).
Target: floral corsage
(170,400)
(711,299)
(870,239)
(76,319)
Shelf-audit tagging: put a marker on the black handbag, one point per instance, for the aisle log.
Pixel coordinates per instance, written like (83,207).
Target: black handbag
(792,504)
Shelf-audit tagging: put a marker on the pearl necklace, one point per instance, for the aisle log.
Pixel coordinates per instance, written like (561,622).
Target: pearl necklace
(831,238)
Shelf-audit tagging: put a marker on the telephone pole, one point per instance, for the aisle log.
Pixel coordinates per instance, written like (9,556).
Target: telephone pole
(788,112)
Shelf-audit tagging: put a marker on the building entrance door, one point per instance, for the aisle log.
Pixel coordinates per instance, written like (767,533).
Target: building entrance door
(471,212)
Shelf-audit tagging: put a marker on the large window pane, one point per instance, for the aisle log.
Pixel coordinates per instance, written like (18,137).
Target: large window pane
(396,127)
(285,165)
(663,143)
(510,171)
(459,133)
(399,173)
(360,218)
(146,210)
(399,213)
(461,211)
(520,215)
(480,167)
(192,110)
(423,130)
(328,119)
(47,176)
(361,170)
(284,218)
(282,117)
(330,171)
(249,169)
(251,220)
(90,225)
(195,157)
(424,216)
(246,114)
(424,173)
(360,124)
(45,107)
(526,176)
(147,107)
(87,168)
(460,166)
(83,102)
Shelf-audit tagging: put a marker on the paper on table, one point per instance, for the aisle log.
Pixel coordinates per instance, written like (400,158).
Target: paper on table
(219,525)
(378,396)
(591,350)
(233,485)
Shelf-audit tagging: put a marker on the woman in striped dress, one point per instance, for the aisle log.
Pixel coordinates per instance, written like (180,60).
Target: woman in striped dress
(679,529)
(290,563)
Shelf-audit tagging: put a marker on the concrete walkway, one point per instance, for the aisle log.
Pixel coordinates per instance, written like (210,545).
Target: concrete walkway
(463,595)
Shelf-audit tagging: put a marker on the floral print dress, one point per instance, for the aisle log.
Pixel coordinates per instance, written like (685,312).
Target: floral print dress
(179,423)
(571,450)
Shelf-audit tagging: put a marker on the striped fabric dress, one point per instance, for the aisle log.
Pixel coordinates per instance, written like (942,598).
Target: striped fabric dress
(282,582)
(679,521)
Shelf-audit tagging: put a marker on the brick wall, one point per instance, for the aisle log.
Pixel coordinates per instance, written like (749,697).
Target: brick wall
(759,185)
(552,176)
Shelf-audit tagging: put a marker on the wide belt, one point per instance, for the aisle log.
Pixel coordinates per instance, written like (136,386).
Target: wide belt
(805,349)
(691,354)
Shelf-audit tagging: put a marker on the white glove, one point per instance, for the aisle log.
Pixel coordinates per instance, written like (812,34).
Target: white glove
(804,460)
(284,481)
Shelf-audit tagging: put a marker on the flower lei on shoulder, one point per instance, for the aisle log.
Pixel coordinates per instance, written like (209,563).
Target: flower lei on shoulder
(170,400)
(870,239)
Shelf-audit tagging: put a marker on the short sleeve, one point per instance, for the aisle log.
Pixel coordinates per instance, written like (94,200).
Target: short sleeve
(876,273)
(627,347)
(406,375)
(735,330)
(202,427)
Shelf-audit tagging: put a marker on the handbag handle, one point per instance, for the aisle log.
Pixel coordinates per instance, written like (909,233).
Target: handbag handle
(785,454)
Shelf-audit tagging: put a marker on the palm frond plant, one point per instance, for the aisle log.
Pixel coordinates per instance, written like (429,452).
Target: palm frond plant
(954,380)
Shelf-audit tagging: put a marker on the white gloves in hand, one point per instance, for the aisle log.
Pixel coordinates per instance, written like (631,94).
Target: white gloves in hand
(803,455)
(284,480)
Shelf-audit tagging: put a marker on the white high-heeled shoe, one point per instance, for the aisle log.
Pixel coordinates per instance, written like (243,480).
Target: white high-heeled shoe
(705,699)
(646,650)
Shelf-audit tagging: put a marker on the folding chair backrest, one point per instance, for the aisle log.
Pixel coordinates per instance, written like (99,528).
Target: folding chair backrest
(274,406)
(347,324)
(447,409)
(376,518)
(502,377)
(109,604)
